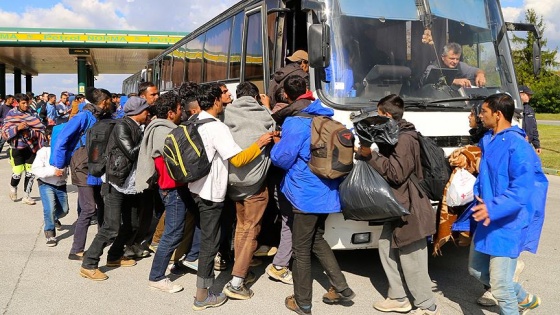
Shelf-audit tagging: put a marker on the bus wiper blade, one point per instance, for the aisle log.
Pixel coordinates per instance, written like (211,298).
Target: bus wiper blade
(458,99)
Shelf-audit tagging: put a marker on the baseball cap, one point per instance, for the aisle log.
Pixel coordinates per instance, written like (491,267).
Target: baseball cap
(525,89)
(135,105)
(298,55)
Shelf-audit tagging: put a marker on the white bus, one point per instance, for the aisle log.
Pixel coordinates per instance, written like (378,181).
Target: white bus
(369,49)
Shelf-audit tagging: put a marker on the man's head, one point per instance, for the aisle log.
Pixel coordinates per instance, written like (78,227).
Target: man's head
(391,106)
(168,106)
(210,99)
(79,98)
(226,94)
(247,89)
(23,102)
(525,93)
(188,92)
(51,98)
(451,54)
(63,97)
(497,111)
(149,92)
(101,98)
(9,100)
(137,108)
(116,98)
(300,57)
(45,96)
(294,87)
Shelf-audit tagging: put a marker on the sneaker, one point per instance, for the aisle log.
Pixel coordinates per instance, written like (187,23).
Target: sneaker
(165,285)
(153,247)
(93,274)
(487,299)
(391,305)
(255,262)
(333,297)
(178,269)
(239,293)
(219,263)
(26,200)
(58,225)
(191,264)
(283,275)
(121,262)
(292,305)
(135,251)
(420,311)
(13,195)
(518,270)
(213,300)
(265,250)
(76,256)
(51,241)
(93,220)
(534,302)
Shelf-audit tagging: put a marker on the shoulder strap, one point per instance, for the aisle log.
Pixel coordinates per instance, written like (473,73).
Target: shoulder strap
(302,114)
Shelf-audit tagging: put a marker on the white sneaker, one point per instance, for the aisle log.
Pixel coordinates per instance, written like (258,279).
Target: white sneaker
(265,250)
(13,195)
(487,299)
(165,285)
(28,201)
(191,264)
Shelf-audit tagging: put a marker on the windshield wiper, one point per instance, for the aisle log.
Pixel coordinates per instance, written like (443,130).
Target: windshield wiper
(458,99)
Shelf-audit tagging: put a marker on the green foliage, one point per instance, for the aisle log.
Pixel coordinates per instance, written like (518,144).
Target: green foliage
(547,84)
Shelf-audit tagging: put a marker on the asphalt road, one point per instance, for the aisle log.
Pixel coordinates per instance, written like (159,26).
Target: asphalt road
(36,279)
(549,122)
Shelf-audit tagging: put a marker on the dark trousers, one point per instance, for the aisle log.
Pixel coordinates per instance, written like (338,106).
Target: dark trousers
(142,216)
(90,202)
(175,201)
(118,208)
(307,238)
(210,240)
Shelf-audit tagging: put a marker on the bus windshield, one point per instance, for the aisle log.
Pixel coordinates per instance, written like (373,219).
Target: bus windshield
(397,47)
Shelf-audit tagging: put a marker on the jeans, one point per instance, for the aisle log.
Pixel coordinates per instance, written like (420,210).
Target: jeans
(249,216)
(176,211)
(406,266)
(55,203)
(210,240)
(90,201)
(308,238)
(118,207)
(497,272)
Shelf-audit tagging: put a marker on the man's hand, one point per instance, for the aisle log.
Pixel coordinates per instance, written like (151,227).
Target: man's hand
(480,79)
(264,139)
(58,172)
(22,125)
(265,100)
(481,212)
(462,82)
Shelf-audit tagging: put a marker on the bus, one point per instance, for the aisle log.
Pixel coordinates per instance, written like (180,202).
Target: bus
(359,52)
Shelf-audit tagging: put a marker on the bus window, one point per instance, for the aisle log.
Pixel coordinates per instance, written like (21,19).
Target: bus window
(178,70)
(194,59)
(235,47)
(216,50)
(166,73)
(254,51)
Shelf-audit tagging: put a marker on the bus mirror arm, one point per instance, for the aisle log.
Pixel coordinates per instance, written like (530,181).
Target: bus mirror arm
(319,46)
(532,28)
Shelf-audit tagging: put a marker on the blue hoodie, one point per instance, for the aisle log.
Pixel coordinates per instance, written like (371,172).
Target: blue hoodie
(513,187)
(304,190)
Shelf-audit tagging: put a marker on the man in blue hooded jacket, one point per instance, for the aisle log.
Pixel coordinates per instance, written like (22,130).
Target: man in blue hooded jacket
(312,198)
(511,192)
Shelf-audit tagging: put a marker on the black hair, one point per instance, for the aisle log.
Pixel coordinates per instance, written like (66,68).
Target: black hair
(392,104)
(247,89)
(51,96)
(21,97)
(88,94)
(501,102)
(188,92)
(144,86)
(295,86)
(165,103)
(209,93)
(99,95)
(279,96)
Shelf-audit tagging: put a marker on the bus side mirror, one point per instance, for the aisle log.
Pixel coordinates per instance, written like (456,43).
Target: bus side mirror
(536,57)
(319,46)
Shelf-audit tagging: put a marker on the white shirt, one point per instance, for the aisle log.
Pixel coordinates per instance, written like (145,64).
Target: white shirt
(220,147)
(44,171)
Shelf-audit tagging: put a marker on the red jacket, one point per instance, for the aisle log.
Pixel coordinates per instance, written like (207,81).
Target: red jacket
(164,180)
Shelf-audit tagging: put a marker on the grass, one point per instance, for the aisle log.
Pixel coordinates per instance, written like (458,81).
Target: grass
(548,116)
(550,144)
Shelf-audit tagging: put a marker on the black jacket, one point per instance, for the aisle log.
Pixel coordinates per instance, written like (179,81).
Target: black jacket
(280,76)
(530,125)
(123,148)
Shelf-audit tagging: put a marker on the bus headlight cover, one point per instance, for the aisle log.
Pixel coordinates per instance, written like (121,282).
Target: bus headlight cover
(361,238)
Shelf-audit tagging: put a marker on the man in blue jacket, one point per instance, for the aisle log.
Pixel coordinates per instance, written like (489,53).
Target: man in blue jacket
(312,198)
(511,192)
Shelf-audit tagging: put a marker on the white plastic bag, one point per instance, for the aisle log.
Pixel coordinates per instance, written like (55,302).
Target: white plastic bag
(460,190)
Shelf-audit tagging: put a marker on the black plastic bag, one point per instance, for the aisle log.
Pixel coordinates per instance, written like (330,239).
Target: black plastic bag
(366,196)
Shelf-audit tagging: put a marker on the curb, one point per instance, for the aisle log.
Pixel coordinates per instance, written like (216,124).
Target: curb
(550,171)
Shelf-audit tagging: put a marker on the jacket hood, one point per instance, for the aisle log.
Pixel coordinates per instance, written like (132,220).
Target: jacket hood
(317,108)
(513,129)
(283,72)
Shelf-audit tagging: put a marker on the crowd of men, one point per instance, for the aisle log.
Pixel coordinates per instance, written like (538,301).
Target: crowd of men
(257,172)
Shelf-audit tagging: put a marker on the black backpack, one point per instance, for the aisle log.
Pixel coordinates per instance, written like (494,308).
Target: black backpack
(97,139)
(184,153)
(435,168)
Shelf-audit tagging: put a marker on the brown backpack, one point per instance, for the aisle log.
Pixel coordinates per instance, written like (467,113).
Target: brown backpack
(332,147)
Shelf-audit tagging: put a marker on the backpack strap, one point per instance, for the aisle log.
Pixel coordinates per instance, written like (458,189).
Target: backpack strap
(416,182)
(302,114)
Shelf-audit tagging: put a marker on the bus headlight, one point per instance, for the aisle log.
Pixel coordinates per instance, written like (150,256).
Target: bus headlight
(361,238)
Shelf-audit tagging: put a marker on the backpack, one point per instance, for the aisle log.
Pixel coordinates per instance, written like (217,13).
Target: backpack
(183,152)
(97,138)
(435,168)
(332,147)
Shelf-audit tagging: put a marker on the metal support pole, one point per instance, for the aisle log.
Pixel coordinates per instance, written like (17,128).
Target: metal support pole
(17,80)
(82,75)
(2,80)
(28,83)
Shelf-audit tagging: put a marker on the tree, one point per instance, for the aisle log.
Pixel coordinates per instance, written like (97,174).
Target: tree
(547,84)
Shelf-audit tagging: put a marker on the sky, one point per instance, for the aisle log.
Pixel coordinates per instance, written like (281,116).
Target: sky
(171,16)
